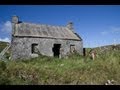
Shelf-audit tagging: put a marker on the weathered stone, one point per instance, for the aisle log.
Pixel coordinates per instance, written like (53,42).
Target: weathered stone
(45,36)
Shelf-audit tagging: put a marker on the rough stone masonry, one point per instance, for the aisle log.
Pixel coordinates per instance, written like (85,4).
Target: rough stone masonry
(31,40)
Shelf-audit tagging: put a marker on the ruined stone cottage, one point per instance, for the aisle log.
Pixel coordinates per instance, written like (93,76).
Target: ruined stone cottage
(30,40)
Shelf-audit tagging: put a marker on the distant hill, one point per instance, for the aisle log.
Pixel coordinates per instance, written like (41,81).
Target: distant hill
(3,45)
(103,49)
(109,47)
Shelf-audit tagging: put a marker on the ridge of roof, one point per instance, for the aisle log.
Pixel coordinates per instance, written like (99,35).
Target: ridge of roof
(37,24)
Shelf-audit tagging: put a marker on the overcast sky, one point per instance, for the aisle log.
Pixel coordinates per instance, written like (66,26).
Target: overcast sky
(98,25)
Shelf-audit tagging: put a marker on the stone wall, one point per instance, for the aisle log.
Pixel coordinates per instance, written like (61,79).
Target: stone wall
(21,46)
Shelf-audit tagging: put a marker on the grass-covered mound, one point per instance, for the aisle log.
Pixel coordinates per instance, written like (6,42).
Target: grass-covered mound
(74,70)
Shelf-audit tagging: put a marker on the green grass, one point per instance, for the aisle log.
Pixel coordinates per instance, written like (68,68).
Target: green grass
(2,45)
(76,70)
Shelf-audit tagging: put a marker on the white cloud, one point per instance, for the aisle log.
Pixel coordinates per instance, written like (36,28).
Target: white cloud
(6,27)
(104,33)
(5,39)
(111,30)
(115,30)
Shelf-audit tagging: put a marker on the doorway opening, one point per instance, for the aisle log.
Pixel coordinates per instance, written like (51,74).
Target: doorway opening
(56,50)
(84,51)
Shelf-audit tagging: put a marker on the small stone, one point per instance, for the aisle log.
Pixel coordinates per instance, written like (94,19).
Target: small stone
(108,81)
(62,65)
(106,84)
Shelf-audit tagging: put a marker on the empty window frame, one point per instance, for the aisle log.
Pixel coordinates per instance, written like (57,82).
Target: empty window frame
(34,48)
(72,48)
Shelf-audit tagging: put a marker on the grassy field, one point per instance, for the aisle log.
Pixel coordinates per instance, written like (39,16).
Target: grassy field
(75,70)
(2,45)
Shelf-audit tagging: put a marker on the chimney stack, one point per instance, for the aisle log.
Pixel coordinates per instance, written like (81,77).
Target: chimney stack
(15,19)
(70,26)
